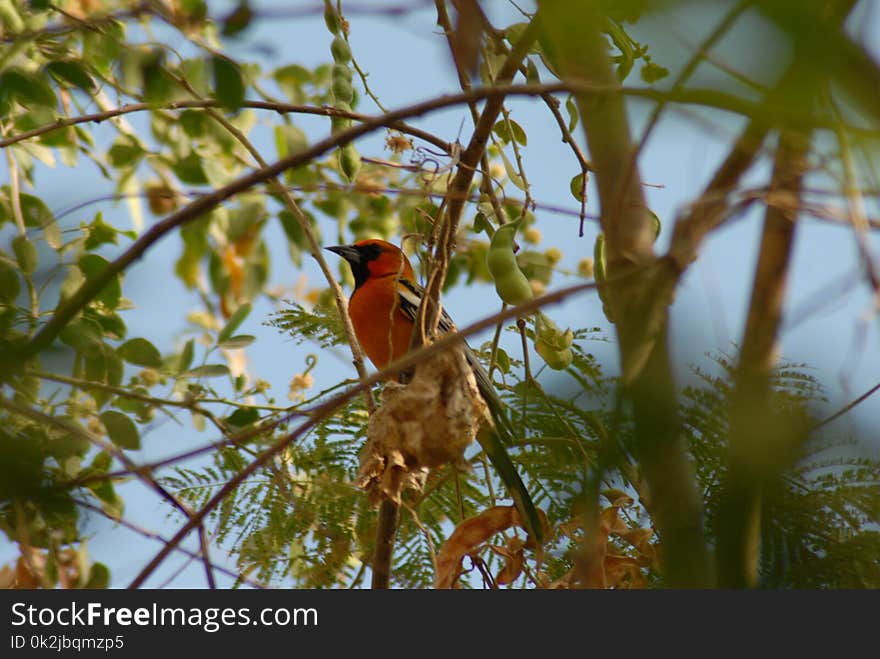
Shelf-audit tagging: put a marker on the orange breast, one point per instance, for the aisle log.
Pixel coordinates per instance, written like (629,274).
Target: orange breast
(382,329)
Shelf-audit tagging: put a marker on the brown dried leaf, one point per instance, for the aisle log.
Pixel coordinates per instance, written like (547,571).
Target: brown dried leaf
(610,521)
(617,498)
(422,425)
(567,580)
(640,539)
(7,577)
(514,558)
(468,535)
(623,572)
(29,573)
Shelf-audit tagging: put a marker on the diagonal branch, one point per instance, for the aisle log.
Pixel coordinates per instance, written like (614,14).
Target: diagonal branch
(152,535)
(758,444)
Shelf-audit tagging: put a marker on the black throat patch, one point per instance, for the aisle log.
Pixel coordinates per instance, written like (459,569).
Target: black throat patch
(360,269)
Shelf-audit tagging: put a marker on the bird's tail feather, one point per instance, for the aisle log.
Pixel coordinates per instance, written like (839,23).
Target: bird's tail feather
(493,441)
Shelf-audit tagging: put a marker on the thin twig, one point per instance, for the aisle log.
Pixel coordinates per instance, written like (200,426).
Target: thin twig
(152,535)
(280,108)
(846,408)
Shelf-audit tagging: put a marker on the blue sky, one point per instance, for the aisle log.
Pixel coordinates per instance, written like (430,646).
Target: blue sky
(408,61)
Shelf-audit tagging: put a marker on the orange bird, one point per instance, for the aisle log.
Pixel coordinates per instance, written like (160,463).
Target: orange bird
(383,308)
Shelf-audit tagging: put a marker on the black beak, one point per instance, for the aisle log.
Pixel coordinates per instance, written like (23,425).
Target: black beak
(348,252)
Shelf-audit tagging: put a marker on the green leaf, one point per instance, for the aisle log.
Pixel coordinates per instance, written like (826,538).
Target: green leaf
(36,213)
(103,365)
(73,72)
(63,444)
(652,72)
(26,253)
(289,139)
(52,235)
(125,152)
(132,405)
(99,577)
(99,233)
(83,335)
(10,286)
(321,325)
(193,122)
(512,174)
(157,83)
(502,361)
(114,366)
(573,113)
(243,416)
(102,47)
(186,356)
(481,223)
(112,324)
(234,321)
(532,75)
(140,352)
(27,88)
(578,188)
(121,429)
(235,342)
(207,371)
(238,19)
(92,266)
(510,132)
(110,501)
(102,462)
(190,170)
(291,79)
(228,83)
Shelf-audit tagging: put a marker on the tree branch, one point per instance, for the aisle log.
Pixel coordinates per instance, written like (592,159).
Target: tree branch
(574,42)
(757,436)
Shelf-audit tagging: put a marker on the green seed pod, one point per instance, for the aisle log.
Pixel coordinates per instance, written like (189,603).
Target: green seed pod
(556,359)
(331,17)
(26,253)
(511,284)
(546,331)
(599,275)
(342,90)
(341,50)
(338,124)
(341,85)
(349,161)
(342,72)
(599,258)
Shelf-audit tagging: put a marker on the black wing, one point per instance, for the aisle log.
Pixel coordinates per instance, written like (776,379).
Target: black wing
(410,298)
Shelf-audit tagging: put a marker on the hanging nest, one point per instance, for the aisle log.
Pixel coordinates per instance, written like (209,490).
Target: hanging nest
(420,426)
